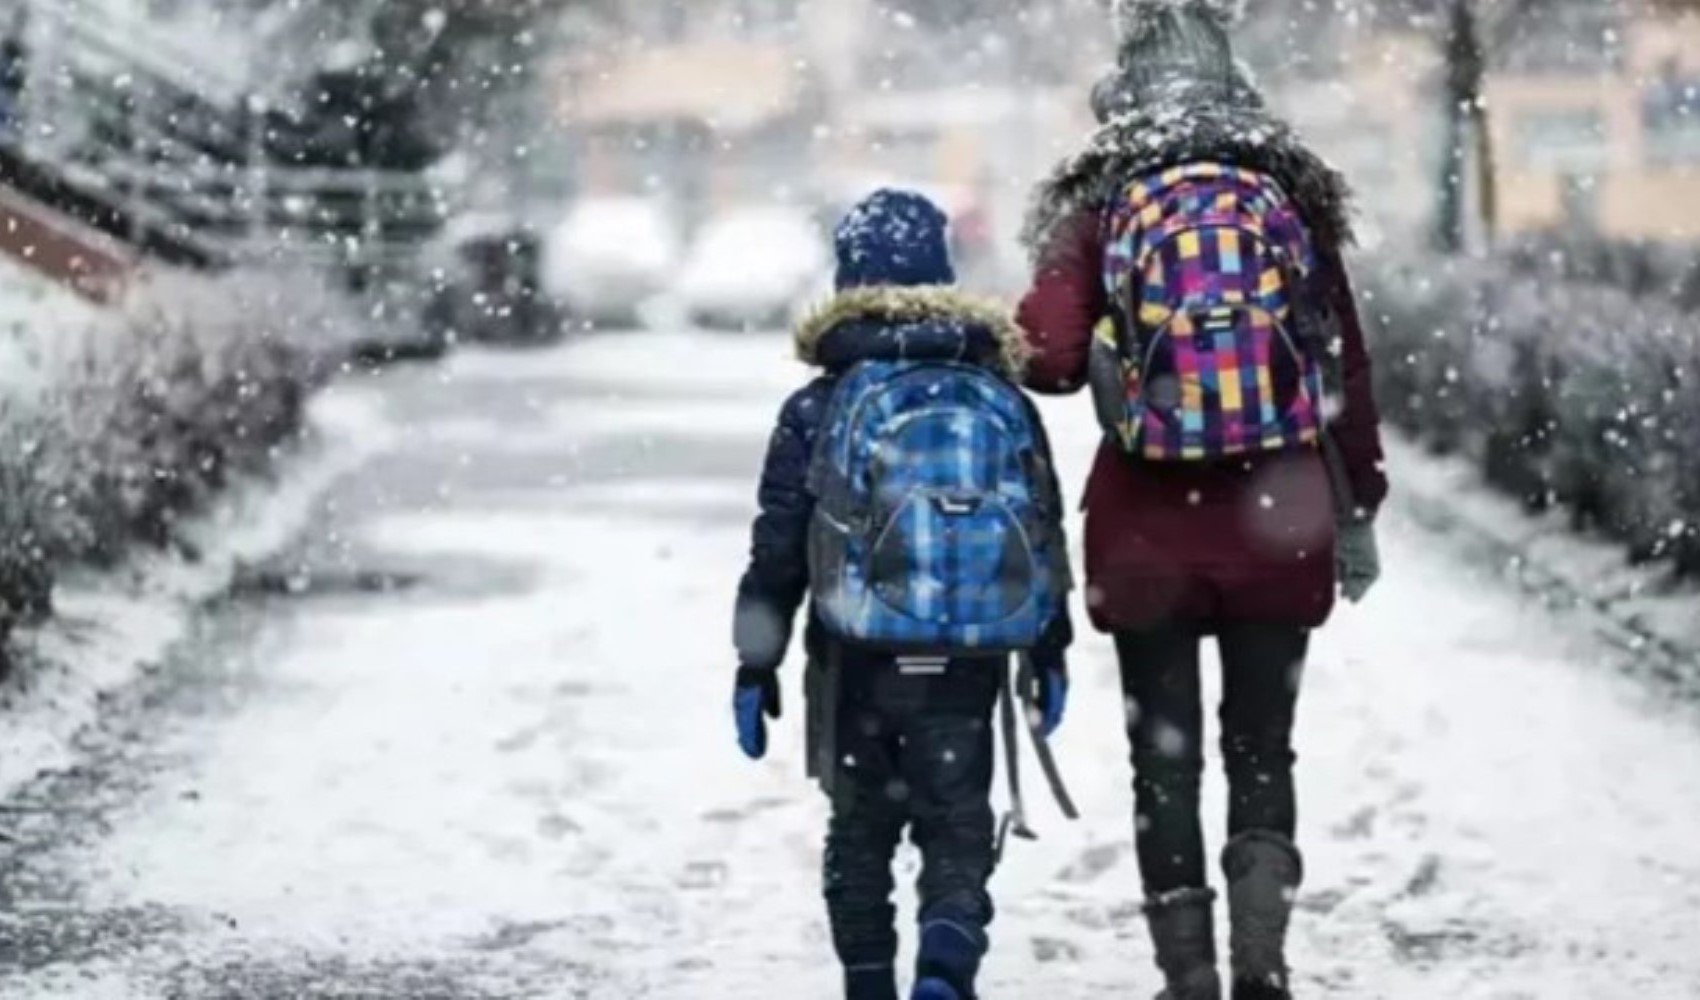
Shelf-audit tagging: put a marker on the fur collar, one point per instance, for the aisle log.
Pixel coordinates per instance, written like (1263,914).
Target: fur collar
(1188,129)
(916,306)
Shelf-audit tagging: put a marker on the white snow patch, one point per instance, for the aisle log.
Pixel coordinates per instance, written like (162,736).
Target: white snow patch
(1489,810)
(110,624)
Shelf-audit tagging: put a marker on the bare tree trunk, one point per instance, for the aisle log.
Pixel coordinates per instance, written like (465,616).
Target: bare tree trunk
(1467,135)
(1487,171)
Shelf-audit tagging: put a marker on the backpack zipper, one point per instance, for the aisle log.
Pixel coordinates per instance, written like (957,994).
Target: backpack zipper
(1026,538)
(1162,332)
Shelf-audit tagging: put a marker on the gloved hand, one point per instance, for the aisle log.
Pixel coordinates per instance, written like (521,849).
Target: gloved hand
(1053,702)
(1357,559)
(1047,688)
(756,695)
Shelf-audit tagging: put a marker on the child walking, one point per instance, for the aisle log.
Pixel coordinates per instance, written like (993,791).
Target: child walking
(908,489)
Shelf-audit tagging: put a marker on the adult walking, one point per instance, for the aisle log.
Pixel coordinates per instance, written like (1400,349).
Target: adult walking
(1188,268)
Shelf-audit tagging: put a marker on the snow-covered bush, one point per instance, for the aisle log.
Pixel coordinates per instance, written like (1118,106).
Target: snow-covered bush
(1669,272)
(112,426)
(1567,393)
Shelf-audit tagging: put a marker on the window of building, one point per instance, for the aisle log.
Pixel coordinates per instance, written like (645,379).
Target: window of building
(1570,140)
(1563,37)
(1670,111)
(767,18)
(1580,199)
(659,22)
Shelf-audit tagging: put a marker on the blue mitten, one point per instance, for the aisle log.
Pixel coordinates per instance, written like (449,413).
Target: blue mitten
(1053,701)
(1048,688)
(755,699)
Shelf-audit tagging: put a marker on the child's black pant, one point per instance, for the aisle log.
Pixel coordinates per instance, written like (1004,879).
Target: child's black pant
(910,751)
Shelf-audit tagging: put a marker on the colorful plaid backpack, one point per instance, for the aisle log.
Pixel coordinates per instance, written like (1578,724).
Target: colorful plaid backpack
(1208,352)
(937,517)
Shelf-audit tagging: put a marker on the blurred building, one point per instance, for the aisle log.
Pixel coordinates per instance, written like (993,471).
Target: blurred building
(1610,145)
(717,102)
(1593,110)
(973,113)
(701,104)
(1373,115)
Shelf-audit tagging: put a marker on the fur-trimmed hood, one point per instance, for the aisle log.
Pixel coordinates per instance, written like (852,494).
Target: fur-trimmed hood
(1191,124)
(927,322)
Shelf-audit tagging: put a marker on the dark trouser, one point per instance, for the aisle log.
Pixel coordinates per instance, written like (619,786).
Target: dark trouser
(912,752)
(1262,666)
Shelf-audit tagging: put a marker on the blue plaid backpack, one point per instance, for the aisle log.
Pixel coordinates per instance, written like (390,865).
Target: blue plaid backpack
(937,524)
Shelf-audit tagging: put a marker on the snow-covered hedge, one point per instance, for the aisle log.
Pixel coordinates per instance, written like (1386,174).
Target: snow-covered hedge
(1567,393)
(1669,272)
(114,425)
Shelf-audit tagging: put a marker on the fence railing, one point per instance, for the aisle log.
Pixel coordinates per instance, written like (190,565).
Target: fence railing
(184,153)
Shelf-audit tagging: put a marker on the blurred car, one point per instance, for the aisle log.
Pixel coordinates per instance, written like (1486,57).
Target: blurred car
(753,267)
(609,257)
(490,290)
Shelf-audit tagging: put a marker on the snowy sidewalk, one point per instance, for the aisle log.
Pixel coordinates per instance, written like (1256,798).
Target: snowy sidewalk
(512,773)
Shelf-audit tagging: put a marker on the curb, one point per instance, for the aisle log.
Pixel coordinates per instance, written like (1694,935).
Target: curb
(116,624)
(1638,609)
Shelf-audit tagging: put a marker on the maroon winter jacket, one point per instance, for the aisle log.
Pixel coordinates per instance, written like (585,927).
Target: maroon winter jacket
(1242,541)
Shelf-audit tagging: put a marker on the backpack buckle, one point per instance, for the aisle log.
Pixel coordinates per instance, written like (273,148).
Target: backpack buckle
(957,505)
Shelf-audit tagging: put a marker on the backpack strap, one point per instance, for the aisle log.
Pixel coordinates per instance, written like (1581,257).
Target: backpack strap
(824,680)
(1015,820)
(1112,337)
(1028,681)
(1320,334)
(834,494)
(1339,479)
(1052,509)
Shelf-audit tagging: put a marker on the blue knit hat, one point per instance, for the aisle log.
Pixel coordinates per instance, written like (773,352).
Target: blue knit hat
(894,238)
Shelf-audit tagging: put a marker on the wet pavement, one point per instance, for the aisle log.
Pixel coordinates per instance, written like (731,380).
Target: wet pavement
(467,737)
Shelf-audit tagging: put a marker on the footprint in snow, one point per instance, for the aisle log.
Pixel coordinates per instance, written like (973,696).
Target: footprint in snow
(1093,863)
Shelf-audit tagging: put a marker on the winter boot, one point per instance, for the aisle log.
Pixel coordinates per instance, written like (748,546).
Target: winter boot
(949,961)
(870,982)
(1183,929)
(935,989)
(1264,870)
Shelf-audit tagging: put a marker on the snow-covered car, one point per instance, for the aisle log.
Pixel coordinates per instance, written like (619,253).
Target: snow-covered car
(752,267)
(608,257)
(489,291)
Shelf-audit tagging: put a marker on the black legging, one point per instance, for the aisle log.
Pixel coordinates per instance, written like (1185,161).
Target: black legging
(1262,667)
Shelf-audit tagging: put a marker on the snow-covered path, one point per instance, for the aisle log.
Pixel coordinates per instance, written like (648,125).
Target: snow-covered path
(476,744)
